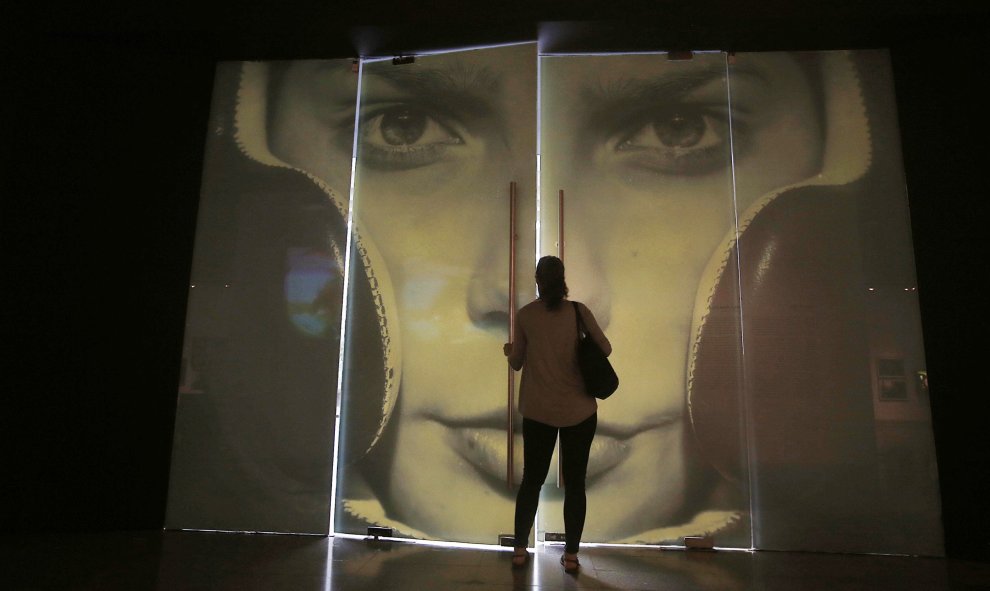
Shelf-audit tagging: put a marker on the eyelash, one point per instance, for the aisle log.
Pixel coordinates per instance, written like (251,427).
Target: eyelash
(397,149)
(383,143)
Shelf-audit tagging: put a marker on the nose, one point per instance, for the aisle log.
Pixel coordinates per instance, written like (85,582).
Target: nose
(488,299)
(488,290)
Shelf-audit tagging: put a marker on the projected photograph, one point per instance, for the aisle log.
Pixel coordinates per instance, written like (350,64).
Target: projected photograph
(438,143)
(254,432)
(736,222)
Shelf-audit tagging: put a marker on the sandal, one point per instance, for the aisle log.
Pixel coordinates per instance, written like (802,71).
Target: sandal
(571,565)
(519,560)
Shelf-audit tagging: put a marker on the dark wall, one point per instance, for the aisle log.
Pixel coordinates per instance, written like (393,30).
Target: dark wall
(104,122)
(944,136)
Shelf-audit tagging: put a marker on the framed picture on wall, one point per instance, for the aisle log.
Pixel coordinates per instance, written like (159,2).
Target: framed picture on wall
(890,379)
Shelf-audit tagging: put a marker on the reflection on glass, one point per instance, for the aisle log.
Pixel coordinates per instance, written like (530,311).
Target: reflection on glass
(254,424)
(438,143)
(737,224)
(641,147)
(826,278)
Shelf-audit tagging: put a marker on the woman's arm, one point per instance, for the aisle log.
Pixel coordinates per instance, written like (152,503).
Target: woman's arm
(594,330)
(516,350)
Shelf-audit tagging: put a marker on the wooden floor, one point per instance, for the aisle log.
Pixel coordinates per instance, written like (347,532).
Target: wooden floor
(134,561)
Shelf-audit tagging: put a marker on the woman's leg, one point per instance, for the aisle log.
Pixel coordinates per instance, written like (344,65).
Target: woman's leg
(538,443)
(575,446)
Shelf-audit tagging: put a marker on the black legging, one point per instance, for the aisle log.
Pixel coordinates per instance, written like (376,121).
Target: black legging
(538,444)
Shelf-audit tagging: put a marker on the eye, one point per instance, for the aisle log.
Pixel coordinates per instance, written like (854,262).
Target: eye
(687,142)
(402,126)
(675,131)
(402,137)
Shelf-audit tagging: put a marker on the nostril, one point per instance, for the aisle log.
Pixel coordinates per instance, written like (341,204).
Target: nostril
(491,320)
(488,301)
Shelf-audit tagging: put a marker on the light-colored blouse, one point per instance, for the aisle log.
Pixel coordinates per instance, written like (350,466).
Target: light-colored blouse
(545,348)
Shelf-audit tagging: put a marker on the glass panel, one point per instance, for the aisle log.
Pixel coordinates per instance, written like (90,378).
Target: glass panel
(423,445)
(842,456)
(640,144)
(694,232)
(254,426)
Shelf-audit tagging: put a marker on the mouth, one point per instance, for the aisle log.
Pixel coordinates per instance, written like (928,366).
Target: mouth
(482,442)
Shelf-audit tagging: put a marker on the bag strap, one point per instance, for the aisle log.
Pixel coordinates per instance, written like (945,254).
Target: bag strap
(581,328)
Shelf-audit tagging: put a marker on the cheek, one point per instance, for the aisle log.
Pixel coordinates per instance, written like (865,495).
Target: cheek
(787,152)
(303,142)
(797,142)
(432,243)
(662,234)
(443,197)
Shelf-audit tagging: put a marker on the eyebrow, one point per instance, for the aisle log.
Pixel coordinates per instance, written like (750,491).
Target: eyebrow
(467,92)
(624,93)
(455,78)
(613,103)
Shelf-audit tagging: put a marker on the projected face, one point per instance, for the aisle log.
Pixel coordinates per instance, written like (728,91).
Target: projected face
(641,146)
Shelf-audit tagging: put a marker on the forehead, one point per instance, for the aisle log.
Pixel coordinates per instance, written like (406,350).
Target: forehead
(499,70)
(330,82)
(617,73)
(490,71)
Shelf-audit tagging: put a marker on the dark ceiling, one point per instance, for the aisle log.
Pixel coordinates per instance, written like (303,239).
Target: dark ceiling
(276,30)
(102,150)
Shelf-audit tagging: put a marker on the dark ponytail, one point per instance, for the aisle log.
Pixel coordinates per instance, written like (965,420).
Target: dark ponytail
(550,280)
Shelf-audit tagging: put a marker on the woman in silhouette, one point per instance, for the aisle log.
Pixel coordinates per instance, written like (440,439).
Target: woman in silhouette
(552,401)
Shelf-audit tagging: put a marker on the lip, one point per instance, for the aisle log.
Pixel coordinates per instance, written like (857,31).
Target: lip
(481,441)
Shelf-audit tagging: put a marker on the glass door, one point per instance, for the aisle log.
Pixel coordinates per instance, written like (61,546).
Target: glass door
(839,427)
(254,423)
(439,142)
(638,149)
(737,223)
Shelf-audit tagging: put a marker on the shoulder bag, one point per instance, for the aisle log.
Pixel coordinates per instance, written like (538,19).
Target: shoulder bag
(600,379)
